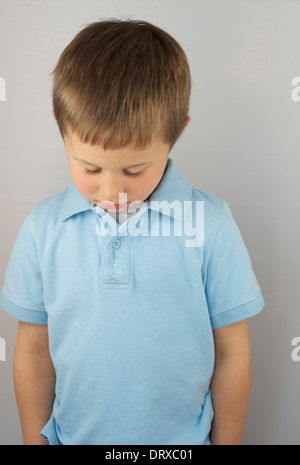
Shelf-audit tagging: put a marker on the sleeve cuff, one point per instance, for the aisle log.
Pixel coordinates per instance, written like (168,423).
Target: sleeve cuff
(22,313)
(239,313)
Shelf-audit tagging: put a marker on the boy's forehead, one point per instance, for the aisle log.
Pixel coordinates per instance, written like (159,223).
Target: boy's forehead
(95,154)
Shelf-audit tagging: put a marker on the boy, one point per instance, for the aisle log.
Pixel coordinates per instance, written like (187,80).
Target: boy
(129,336)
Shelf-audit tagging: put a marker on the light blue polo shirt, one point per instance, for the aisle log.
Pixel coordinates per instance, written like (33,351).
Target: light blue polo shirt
(130,316)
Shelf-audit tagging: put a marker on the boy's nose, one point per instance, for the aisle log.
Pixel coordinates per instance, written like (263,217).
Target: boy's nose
(110,185)
(110,192)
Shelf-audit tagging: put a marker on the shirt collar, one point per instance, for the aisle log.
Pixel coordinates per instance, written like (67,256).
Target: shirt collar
(172,187)
(74,203)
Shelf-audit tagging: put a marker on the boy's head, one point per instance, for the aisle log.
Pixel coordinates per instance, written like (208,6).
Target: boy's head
(120,97)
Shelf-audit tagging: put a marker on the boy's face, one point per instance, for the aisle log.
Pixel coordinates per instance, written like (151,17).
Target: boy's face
(101,175)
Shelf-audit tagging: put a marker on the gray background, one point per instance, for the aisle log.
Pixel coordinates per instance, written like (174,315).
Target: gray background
(242,145)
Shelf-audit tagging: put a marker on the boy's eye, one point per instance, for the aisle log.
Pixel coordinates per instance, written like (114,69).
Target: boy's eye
(90,171)
(98,171)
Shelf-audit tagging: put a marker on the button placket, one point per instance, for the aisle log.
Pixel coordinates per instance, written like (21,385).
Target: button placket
(116,264)
(116,243)
(115,272)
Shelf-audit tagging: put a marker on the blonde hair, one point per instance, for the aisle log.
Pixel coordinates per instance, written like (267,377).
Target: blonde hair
(122,82)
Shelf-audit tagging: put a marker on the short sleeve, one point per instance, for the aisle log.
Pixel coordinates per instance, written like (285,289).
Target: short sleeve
(232,291)
(22,294)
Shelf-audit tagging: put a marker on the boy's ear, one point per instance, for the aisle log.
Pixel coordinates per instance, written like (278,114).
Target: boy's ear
(53,114)
(188,122)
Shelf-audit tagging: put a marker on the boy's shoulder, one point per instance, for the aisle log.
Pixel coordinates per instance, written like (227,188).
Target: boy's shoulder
(213,205)
(54,198)
(216,212)
(211,200)
(51,206)
(61,205)
(48,213)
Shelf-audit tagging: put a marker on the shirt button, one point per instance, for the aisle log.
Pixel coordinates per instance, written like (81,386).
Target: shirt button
(116,244)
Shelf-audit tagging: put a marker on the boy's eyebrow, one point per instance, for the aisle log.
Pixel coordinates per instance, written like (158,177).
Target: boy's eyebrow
(132,166)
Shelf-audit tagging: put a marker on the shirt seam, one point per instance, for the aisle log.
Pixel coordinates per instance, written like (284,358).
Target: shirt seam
(219,216)
(21,306)
(35,238)
(236,306)
(35,235)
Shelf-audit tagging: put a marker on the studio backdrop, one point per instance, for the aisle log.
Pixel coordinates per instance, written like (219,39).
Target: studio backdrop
(242,145)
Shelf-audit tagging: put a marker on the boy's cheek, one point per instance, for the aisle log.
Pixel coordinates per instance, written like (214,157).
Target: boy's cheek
(86,187)
(149,185)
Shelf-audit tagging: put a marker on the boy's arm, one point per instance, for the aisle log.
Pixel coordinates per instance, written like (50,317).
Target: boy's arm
(34,380)
(231,383)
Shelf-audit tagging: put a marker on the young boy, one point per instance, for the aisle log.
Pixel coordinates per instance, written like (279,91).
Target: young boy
(129,334)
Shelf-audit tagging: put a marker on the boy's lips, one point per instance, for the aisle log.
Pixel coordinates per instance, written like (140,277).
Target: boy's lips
(111,205)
